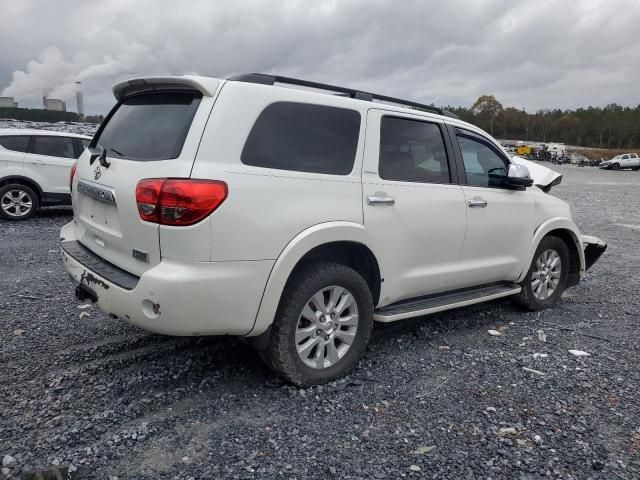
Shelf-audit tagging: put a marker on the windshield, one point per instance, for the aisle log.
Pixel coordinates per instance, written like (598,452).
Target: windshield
(148,127)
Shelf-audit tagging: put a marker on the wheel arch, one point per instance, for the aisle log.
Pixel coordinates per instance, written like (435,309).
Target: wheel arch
(26,181)
(344,242)
(567,231)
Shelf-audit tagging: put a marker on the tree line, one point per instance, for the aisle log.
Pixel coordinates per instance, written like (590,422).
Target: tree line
(38,115)
(613,126)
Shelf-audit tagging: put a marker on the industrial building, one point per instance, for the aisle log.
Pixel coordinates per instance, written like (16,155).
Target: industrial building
(8,102)
(54,104)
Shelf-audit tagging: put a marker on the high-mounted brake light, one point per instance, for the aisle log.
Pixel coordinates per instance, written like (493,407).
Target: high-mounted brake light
(72,174)
(178,201)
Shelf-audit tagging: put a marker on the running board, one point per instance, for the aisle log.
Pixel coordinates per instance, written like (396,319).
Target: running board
(443,301)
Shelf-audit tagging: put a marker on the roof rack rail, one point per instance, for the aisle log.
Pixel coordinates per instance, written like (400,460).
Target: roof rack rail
(266,79)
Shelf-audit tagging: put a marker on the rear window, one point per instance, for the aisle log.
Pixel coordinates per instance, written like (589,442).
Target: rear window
(17,143)
(304,138)
(150,126)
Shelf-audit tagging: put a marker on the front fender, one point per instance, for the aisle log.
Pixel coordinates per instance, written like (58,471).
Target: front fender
(297,248)
(555,223)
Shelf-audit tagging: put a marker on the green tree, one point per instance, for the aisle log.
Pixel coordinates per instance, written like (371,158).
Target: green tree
(487,109)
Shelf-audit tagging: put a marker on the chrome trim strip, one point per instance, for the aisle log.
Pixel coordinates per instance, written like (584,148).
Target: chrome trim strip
(96,191)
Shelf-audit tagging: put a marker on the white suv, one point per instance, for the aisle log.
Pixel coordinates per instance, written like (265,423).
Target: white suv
(34,170)
(625,160)
(297,218)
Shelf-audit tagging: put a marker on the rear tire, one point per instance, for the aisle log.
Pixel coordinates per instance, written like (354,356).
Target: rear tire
(635,168)
(547,276)
(322,326)
(18,202)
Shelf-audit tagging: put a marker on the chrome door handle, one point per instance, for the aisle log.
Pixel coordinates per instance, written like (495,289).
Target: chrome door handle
(380,200)
(477,203)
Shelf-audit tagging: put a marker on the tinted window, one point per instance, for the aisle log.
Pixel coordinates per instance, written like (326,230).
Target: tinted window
(412,151)
(483,166)
(17,143)
(304,138)
(54,147)
(625,157)
(149,127)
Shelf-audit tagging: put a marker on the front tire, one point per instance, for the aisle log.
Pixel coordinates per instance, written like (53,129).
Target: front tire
(547,276)
(615,166)
(322,326)
(18,202)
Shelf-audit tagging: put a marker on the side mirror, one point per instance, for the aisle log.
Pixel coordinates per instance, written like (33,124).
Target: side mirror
(518,176)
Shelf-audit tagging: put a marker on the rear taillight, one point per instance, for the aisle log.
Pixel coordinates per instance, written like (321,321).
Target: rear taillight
(177,201)
(72,174)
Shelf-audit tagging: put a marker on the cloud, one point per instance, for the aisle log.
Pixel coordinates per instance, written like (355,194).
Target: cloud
(531,53)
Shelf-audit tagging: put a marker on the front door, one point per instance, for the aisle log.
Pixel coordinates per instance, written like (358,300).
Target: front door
(414,210)
(500,220)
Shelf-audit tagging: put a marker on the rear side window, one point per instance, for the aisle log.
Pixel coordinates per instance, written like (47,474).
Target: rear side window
(54,147)
(304,138)
(412,151)
(17,143)
(149,126)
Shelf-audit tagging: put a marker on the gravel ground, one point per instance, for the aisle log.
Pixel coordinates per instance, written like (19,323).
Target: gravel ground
(434,397)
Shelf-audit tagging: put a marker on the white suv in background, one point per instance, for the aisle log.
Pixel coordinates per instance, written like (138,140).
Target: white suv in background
(625,160)
(34,170)
(298,214)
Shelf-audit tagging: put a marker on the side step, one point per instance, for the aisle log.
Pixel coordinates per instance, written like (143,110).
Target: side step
(415,307)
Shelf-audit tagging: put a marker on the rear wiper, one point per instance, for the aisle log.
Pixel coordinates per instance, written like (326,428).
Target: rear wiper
(101,154)
(116,152)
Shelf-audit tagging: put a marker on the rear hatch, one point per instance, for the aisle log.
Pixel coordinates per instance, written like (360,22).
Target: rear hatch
(150,133)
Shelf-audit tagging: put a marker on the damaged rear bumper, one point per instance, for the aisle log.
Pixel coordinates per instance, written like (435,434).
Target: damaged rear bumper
(173,297)
(593,249)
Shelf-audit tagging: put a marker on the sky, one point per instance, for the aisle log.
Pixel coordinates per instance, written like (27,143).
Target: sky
(530,54)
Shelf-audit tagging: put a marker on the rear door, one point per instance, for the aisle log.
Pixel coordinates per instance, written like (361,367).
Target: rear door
(52,157)
(414,210)
(147,135)
(625,161)
(12,150)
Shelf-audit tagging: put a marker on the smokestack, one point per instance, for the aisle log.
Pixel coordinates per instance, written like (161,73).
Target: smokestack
(44,98)
(80,100)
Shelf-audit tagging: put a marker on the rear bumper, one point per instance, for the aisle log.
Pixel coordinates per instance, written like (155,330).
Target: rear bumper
(593,249)
(175,297)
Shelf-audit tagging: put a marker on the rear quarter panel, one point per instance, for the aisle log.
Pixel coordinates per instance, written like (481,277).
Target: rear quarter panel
(10,163)
(266,208)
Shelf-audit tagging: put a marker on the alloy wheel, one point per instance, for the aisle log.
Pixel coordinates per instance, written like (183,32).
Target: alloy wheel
(546,274)
(326,327)
(16,203)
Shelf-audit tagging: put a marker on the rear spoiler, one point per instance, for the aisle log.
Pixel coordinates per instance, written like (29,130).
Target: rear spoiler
(206,86)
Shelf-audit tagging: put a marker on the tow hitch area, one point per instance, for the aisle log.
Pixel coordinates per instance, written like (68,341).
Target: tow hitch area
(84,293)
(594,248)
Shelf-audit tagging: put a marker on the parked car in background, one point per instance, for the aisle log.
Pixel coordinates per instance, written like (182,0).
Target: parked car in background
(34,170)
(625,160)
(297,218)
(557,149)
